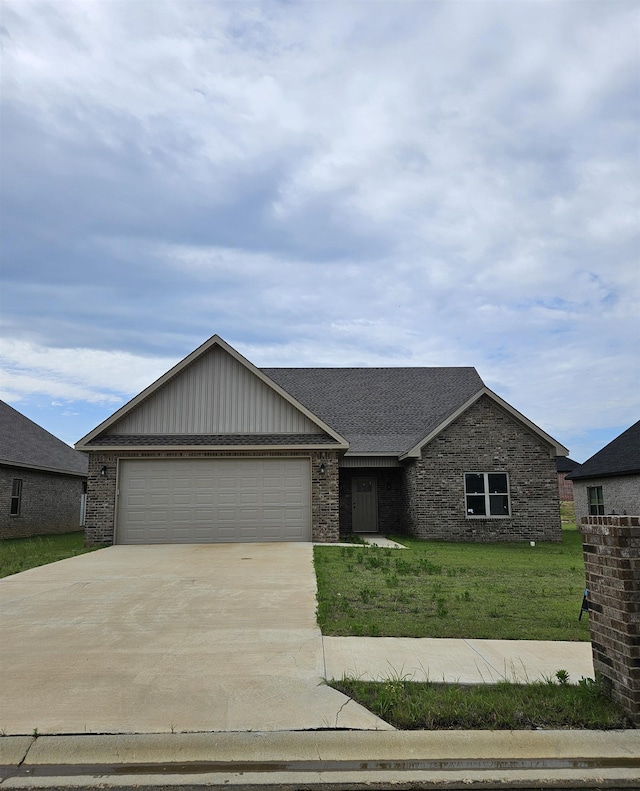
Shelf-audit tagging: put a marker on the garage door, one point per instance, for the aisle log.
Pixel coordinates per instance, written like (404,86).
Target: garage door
(195,501)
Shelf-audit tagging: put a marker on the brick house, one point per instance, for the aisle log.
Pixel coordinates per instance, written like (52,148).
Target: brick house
(218,450)
(565,465)
(42,480)
(609,482)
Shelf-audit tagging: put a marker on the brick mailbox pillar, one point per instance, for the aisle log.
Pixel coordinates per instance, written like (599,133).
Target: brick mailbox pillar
(611,547)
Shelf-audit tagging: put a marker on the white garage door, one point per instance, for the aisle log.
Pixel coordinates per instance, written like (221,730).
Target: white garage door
(196,501)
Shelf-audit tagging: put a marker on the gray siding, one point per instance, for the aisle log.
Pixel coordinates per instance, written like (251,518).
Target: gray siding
(215,395)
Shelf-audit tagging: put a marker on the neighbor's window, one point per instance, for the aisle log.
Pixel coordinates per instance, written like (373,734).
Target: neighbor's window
(486,493)
(16,497)
(596,501)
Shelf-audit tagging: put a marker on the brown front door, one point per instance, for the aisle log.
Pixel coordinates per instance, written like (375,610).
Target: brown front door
(364,495)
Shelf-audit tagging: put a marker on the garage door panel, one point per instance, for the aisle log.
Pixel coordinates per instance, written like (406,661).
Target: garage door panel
(213,500)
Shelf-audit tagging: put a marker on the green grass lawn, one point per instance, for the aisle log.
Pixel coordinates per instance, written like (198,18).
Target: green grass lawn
(409,705)
(20,554)
(508,591)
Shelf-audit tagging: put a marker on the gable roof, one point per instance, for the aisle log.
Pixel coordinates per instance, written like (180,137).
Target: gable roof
(391,411)
(620,457)
(364,411)
(565,464)
(24,443)
(107,434)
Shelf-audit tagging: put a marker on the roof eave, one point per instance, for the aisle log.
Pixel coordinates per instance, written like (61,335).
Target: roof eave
(416,451)
(208,448)
(40,468)
(596,475)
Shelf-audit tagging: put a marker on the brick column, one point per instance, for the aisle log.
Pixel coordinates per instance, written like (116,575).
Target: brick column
(611,547)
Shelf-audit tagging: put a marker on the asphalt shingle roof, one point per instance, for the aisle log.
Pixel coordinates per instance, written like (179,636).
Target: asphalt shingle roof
(24,443)
(565,464)
(620,457)
(380,410)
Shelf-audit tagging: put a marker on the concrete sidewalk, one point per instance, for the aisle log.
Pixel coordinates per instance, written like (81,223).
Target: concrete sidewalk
(315,760)
(454,661)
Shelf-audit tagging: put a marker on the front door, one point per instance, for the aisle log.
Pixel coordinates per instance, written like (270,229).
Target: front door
(364,495)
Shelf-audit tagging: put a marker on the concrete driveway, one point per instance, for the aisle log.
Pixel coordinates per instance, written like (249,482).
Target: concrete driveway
(152,639)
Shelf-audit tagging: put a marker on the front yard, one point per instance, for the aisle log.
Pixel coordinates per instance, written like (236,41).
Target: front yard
(20,554)
(499,591)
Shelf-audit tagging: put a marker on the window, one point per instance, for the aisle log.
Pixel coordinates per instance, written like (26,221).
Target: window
(486,493)
(596,501)
(16,497)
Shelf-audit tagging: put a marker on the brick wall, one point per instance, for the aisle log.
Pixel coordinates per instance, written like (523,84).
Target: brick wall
(621,495)
(50,503)
(101,490)
(565,487)
(611,547)
(485,438)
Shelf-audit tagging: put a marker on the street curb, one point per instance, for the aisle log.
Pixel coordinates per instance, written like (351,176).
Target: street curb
(310,759)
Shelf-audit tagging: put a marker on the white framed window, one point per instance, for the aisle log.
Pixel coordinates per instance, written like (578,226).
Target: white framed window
(16,497)
(486,494)
(596,500)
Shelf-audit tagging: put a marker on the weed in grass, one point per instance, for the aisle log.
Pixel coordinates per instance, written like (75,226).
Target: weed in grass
(366,594)
(392,581)
(562,676)
(406,704)
(441,609)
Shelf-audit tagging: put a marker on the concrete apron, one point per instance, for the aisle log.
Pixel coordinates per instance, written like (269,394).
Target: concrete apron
(168,638)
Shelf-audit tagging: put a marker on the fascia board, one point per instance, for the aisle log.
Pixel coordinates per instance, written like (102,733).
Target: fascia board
(37,468)
(371,454)
(172,372)
(207,448)
(416,450)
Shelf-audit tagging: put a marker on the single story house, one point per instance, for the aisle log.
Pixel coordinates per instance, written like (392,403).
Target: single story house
(565,465)
(609,482)
(219,450)
(43,481)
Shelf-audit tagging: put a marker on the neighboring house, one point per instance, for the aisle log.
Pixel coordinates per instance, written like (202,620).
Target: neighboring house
(609,482)
(218,450)
(565,465)
(42,480)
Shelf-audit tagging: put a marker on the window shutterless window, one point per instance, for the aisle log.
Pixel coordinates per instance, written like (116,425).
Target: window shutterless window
(486,493)
(596,500)
(16,497)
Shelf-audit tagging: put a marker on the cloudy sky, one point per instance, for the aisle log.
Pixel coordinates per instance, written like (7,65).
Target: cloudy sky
(323,183)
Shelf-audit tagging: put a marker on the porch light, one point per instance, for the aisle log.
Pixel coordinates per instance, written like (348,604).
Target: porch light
(322,468)
(103,471)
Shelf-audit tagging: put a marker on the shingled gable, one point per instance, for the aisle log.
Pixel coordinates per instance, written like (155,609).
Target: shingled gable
(109,434)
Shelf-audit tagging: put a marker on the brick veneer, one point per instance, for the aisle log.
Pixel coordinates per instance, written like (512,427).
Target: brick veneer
(621,495)
(101,490)
(485,438)
(611,547)
(50,503)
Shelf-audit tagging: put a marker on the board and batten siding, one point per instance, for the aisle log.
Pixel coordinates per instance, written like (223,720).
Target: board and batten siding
(215,395)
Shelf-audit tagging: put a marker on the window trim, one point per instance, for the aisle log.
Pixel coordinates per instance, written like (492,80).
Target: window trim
(598,501)
(15,504)
(487,494)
